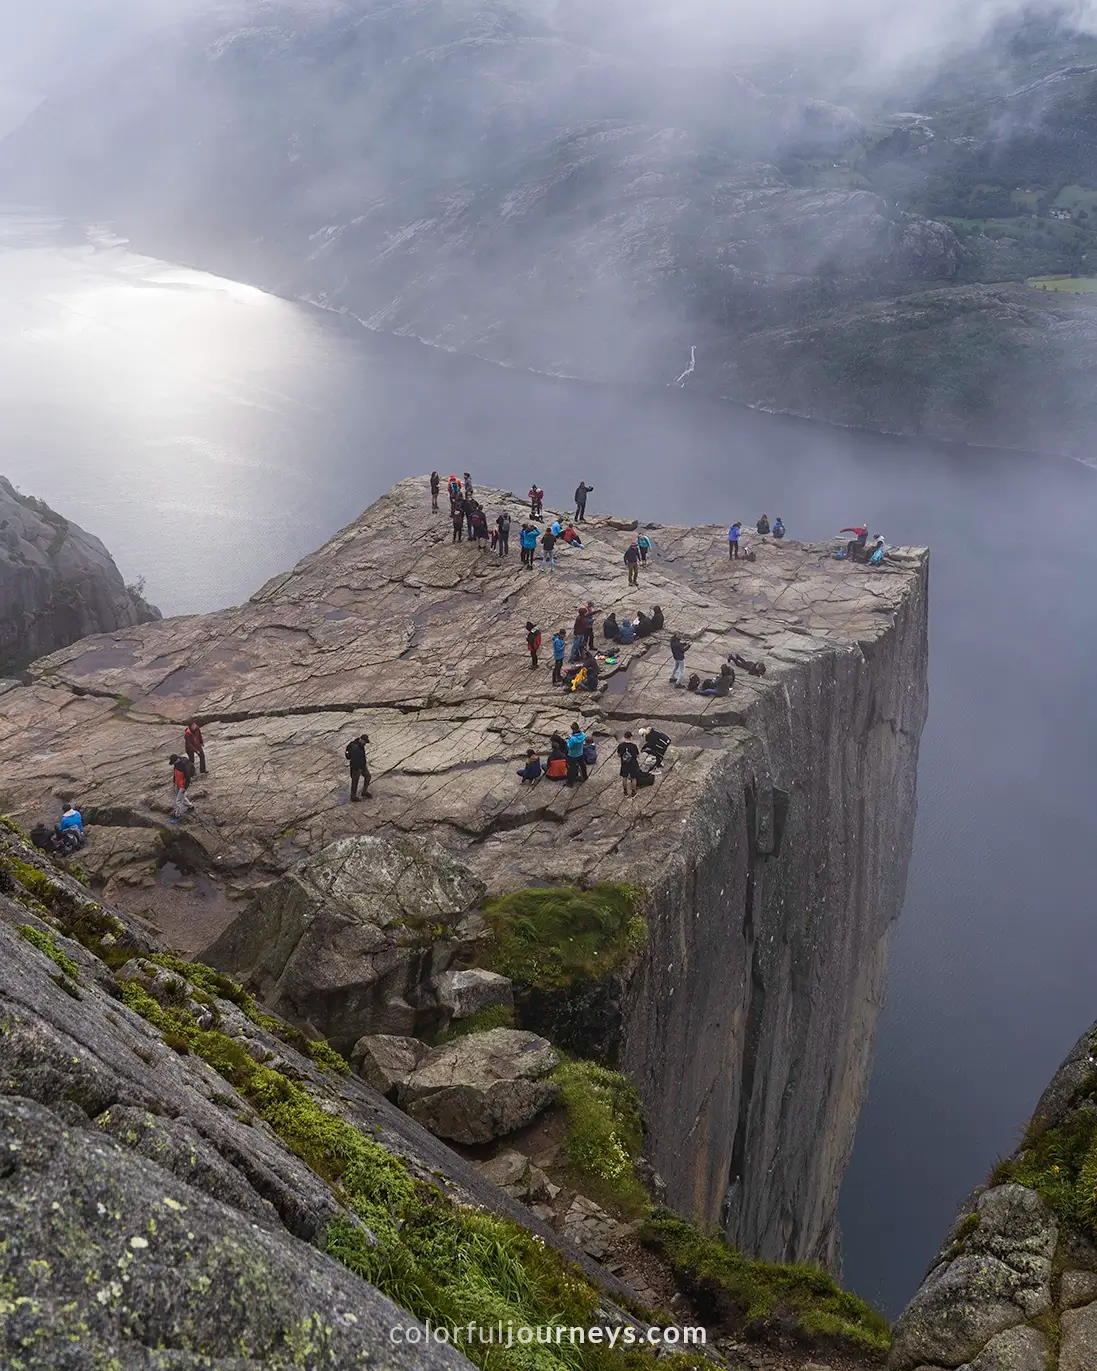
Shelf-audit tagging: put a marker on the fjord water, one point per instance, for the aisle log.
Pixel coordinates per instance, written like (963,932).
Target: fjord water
(211,434)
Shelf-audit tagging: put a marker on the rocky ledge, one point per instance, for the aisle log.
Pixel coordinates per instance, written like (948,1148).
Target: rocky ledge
(770,855)
(57,583)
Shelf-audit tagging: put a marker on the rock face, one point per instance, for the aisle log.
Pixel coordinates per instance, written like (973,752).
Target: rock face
(136,1178)
(1020,1261)
(57,583)
(348,939)
(482,1086)
(772,849)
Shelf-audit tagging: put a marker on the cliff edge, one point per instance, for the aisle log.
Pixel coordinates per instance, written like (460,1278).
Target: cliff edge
(771,854)
(57,583)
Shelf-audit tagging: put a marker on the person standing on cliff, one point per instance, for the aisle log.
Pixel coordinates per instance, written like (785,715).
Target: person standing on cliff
(195,746)
(629,754)
(458,522)
(548,550)
(468,486)
(678,650)
(536,496)
(577,766)
(359,766)
(502,523)
(733,540)
(582,490)
(559,644)
(533,643)
(632,561)
(435,484)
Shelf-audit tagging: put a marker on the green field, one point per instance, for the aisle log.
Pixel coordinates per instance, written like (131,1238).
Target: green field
(1074,285)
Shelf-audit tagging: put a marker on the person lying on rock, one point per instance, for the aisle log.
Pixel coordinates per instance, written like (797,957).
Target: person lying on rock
(359,765)
(570,537)
(532,770)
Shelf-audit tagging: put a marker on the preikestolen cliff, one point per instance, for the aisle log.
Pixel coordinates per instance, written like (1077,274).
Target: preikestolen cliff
(621,1037)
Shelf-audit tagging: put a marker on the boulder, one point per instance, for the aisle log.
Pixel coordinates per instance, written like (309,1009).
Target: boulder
(1077,1287)
(483,1086)
(510,1171)
(1018,1349)
(1078,1349)
(591,1229)
(1001,1278)
(465,993)
(385,1060)
(344,943)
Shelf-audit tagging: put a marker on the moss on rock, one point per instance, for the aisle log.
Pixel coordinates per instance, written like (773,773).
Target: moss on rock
(559,937)
(605,1135)
(45,943)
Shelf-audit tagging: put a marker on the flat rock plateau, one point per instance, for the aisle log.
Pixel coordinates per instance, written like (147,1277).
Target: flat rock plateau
(772,850)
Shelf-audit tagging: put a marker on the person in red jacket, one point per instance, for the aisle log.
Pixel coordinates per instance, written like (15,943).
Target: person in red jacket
(856,544)
(533,642)
(192,741)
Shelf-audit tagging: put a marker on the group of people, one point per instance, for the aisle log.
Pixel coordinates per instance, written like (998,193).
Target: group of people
(628,630)
(183,769)
(570,759)
(858,548)
(468,515)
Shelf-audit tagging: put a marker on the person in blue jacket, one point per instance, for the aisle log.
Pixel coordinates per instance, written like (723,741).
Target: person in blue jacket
(532,769)
(71,827)
(577,766)
(528,539)
(778,527)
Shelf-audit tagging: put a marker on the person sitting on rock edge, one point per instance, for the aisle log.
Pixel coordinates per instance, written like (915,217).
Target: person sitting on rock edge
(532,769)
(778,528)
(657,620)
(610,627)
(721,685)
(355,754)
(763,525)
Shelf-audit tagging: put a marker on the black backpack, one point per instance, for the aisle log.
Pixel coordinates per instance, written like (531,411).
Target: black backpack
(694,682)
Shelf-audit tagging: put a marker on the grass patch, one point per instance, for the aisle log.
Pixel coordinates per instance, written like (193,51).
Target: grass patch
(219,986)
(605,1135)
(558,938)
(46,944)
(1060,1164)
(764,1297)
(1072,285)
(495,1016)
(437,1259)
(8,823)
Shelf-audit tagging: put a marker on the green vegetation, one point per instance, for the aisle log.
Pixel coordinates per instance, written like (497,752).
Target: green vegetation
(44,942)
(7,822)
(560,937)
(1074,285)
(495,1016)
(605,1135)
(762,1297)
(1060,1164)
(216,985)
(438,1260)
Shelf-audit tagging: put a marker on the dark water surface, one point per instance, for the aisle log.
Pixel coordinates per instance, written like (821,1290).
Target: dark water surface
(211,435)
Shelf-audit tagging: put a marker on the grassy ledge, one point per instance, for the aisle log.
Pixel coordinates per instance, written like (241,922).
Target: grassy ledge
(557,938)
(605,1135)
(763,1297)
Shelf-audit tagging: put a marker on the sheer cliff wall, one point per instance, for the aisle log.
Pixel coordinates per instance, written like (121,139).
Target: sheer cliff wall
(773,847)
(750,1026)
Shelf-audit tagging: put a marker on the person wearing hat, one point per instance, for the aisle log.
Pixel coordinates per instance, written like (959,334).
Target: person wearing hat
(359,765)
(533,643)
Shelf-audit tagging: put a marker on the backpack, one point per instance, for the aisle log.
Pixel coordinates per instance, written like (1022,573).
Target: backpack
(533,640)
(590,754)
(645,778)
(557,768)
(693,682)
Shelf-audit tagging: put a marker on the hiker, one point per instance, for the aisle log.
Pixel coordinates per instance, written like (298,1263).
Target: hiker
(533,643)
(610,627)
(435,482)
(632,561)
(763,525)
(879,551)
(556,528)
(857,543)
(578,634)
(479,528)
(559,643)
(626,632)
(744,664)
(643,625)
(577,767)
(678,650)
(536,498)
(582,490)
(655,745)
(532,770)
(182,775)
(629,754)
(528,538)
(548,550)
(572,538)
(494,539)
(71,828)
(454,487)
(194,745)
(778,528)
(733,540)
(643,544)
(588,615)
(458,523)
(359,766)
(591,671)
(470,507)
(657,620)
(502,524)
(468,486)
(720,685)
